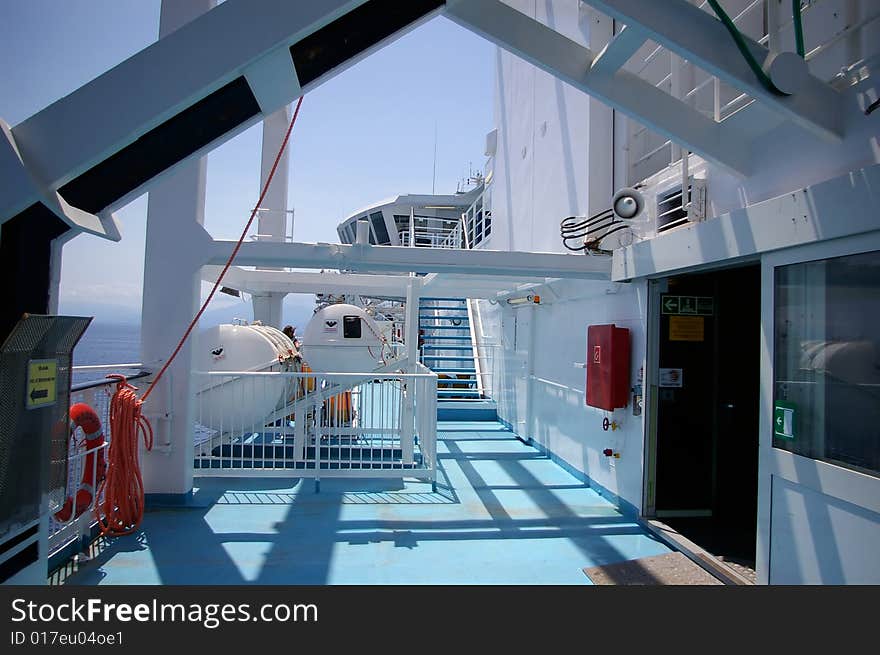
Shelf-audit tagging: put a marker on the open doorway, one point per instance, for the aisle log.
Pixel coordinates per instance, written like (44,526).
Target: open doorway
(706,453)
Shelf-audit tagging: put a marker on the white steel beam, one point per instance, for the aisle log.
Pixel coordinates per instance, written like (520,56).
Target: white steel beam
(437,285)
(622,90)
(702,39)
(618,51)
(403,259)
(250,281)
(450,285)
(19,189)
(71,135)
(189,92)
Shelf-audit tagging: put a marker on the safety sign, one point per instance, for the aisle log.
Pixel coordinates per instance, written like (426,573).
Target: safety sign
(686,328)
(42,383)
(671,377)
(693,305)
(784,414)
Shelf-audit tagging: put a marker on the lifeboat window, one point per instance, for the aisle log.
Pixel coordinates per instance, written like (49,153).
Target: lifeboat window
(351,327)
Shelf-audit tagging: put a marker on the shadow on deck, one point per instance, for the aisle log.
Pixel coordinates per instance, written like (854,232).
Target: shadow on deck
(503,514)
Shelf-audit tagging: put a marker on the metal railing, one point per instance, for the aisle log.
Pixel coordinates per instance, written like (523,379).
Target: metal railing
(769,23)
(427,237)
(474,227)
(322,425)
(428,231)
(96,394)
(463,377)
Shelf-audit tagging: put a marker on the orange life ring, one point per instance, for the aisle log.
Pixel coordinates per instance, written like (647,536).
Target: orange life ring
(83,416)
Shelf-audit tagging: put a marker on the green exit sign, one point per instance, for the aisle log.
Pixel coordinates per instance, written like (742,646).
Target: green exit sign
(784,414)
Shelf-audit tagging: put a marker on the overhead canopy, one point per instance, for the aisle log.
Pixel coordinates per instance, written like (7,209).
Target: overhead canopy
(225,70)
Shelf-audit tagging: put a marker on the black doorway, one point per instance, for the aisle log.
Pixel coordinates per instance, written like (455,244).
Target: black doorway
(707,410)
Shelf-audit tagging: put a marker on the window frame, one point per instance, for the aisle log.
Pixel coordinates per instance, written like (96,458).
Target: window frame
(777,466)
(824,457)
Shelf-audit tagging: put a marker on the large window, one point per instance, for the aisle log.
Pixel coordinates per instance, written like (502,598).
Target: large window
(827,369)
(379,228)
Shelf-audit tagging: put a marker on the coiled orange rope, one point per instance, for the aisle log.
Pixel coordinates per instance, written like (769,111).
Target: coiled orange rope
(122,491)
(122,508)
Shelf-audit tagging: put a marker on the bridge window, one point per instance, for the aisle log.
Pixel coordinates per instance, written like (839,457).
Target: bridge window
(378,221)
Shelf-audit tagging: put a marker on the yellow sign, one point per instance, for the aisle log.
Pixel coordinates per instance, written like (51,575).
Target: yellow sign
(686,328)
(42,386)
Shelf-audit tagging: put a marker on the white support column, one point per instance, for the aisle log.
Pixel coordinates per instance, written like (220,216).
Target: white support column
(55,269)
(272,214)
(407,422)
(170,300)
(272,224)
(268,308)
(413,295)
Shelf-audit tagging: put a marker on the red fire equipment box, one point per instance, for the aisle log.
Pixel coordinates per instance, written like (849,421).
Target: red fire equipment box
(607,366)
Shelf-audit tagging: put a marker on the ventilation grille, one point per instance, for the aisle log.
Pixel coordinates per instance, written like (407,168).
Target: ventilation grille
(670,213)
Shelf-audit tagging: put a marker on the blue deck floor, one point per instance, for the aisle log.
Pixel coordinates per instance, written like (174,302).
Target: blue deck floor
(503,514)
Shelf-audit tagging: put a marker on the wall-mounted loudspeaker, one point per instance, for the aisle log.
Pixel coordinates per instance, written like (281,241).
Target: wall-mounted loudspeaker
(627,204)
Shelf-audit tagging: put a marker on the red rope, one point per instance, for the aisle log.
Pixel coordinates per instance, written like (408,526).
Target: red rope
(122,509)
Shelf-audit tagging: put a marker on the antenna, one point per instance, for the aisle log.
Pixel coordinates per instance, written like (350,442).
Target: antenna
(434,176)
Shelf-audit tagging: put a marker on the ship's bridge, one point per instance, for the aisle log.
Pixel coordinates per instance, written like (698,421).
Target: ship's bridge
(431,218)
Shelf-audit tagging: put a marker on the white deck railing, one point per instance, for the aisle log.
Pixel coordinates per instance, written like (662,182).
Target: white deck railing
(62,533)
(388,430)
(321,425)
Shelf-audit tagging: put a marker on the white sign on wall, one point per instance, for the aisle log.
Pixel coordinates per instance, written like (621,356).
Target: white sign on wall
(671,377)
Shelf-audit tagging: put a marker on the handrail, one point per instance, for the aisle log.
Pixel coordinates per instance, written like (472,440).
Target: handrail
(551,383)
(82,386)
(311,374)
(107,367)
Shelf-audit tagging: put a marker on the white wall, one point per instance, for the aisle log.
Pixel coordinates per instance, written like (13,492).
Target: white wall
(540,164)
(561,421)
(542,172)
(543,392)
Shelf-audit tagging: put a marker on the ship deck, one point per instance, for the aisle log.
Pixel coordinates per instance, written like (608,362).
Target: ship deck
(503,513)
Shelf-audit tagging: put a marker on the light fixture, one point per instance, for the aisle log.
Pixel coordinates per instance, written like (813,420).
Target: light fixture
(523,300)
(439,207)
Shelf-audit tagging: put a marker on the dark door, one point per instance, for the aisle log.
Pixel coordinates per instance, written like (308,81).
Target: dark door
(686,398)
(707,410)
(736,461)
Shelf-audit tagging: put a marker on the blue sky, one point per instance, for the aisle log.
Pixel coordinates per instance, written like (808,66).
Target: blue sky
(364,135)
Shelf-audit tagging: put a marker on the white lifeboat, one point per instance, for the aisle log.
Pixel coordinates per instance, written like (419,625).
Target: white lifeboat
(342,338)
(236,402)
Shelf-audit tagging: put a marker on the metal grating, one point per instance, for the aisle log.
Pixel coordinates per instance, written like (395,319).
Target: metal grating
(34,441)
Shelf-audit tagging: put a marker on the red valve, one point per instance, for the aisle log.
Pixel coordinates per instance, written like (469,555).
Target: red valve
(608,452)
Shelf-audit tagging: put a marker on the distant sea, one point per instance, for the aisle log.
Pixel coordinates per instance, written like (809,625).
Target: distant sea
(106,343)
